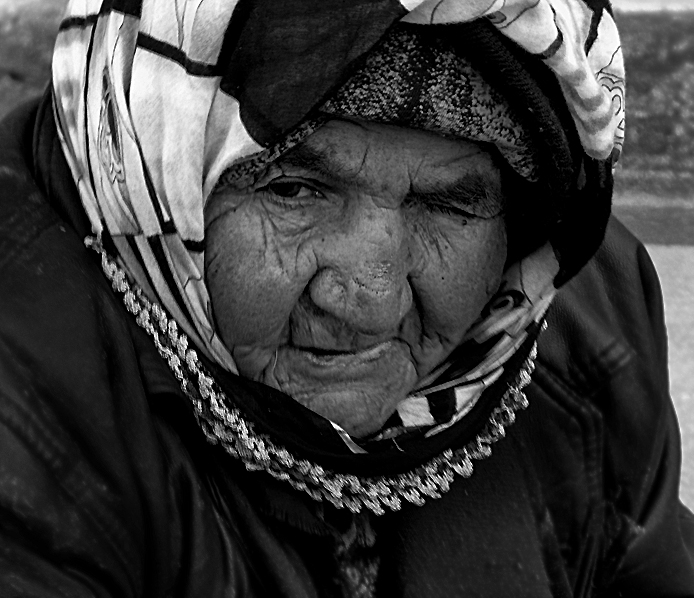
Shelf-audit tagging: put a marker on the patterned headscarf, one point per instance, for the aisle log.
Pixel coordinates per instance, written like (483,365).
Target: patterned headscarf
(155,100)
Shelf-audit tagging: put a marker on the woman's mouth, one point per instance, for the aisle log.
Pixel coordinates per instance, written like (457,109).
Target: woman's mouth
(358,390)
(333,357)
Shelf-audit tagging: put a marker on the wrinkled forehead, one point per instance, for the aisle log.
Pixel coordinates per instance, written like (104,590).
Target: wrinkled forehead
(388,162)
(356,153)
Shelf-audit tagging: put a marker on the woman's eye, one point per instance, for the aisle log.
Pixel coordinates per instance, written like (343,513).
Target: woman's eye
(291,190)
(449,210)
(442,207)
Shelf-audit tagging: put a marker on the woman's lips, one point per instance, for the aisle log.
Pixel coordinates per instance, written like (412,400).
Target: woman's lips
(358,390)
(327,366)
(325,357)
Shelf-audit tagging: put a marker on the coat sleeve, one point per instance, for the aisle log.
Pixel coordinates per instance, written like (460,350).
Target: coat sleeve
(97,499)
(655,549)
(657,559)
(609,453)
(63,494)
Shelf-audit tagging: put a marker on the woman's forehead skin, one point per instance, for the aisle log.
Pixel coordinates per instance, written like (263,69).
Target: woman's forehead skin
(389,157)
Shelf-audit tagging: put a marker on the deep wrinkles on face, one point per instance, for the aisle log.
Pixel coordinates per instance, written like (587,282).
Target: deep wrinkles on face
(371,243)
(432,334)
(312,328)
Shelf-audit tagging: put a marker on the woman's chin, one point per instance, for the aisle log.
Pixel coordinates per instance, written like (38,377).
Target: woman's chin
(358,391)
(253,362)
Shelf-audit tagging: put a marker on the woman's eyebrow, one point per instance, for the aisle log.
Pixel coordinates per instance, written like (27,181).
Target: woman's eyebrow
(306,158)
(476,190)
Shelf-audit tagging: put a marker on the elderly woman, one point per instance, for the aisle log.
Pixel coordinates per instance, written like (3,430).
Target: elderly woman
(275,278)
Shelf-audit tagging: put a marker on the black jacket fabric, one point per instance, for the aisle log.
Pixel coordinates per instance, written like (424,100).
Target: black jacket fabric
(108,489)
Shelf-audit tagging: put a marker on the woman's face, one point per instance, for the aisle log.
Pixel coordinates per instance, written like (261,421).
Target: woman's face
(354,265)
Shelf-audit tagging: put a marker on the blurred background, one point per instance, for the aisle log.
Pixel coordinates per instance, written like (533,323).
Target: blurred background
(655,180)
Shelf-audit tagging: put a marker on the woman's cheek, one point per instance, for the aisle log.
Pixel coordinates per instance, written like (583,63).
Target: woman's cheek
(463,277)
(256,276)
(247,294)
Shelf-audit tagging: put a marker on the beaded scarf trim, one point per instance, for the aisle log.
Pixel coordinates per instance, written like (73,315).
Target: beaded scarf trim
(223,424)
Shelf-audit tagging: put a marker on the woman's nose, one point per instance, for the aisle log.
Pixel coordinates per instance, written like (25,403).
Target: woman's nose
(363,268)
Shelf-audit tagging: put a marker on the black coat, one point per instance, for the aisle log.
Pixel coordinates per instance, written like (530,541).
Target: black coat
(107,487)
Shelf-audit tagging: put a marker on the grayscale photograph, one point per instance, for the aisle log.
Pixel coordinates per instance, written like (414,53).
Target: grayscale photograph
(346,298)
